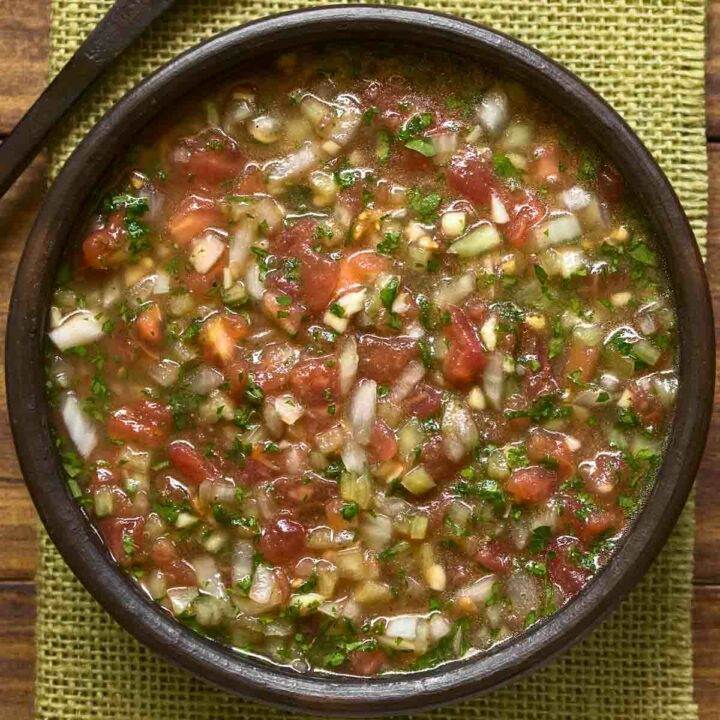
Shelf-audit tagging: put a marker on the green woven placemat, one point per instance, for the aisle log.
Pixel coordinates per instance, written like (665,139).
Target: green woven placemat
(646,58)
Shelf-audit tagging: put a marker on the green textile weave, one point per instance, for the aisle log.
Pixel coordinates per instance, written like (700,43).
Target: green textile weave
(646,58)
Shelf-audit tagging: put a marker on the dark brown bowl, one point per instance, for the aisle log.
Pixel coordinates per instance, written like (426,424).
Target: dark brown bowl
(73,533)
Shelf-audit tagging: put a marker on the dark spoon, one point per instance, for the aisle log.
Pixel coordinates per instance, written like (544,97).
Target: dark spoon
(124,22)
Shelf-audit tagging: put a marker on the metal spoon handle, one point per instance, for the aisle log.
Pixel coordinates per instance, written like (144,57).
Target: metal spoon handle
(123,23)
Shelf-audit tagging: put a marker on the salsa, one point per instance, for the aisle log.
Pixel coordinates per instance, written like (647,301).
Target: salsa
(364,362)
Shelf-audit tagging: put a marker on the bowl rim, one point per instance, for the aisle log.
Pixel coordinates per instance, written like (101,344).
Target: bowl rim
(79,543)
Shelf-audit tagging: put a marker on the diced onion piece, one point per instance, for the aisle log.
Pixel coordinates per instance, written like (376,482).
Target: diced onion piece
(402,626)
(488,333)
(348,365)
(78,328)
(181,598)
(455,291)
(363,406)
(269,212)
(558,230)
(517,136)
(459,432)
(208,577)
(264,129)
(206,250)
(479,591)
(493,112)
(418,481)
(409,378)
(353,456)
(242,561)
(350,304)
(80,427)
(497,211)
(289,409)
(294,165)
(204,378)
(493,380)
(346,122)
(263,585)
(453,224)
(242,238)
(479,240)
(376,531)
(331,440)
(445,145)
(253,284)
(162,283)
(575,198)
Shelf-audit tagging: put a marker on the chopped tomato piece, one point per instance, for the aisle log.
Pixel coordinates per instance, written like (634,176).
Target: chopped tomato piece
(465,359)
(563,569)
(237,375)
(360,268)
(282,540)
(105,247)
(410,160)
(495,556)
(150,325)
(536,381)
(124,538)
(177,572)
(307,492)
(383,359)
(219,336)
(193,215)
(315,380)
(366,662)
(146,423)
(610,184)
(208,158)
(600,521)
(646,404)
(474,178)
(252,181)
(294,239)
(531,484)
(383,443)
(191,463)
(319,278)
(283,311)
(605,475)
(335,514)
(544,446)
(424,402)
(526,214)
(581,363)
(546,163)
(270,371)
(435,461)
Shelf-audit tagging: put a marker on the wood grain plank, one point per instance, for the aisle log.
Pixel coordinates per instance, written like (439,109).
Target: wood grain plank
(712,70)
(706,646)
(18,536)
(24,30)
(17,213)
(707,534)
(17,650)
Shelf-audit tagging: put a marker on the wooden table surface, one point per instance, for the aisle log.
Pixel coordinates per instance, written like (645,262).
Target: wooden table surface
(24,28)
